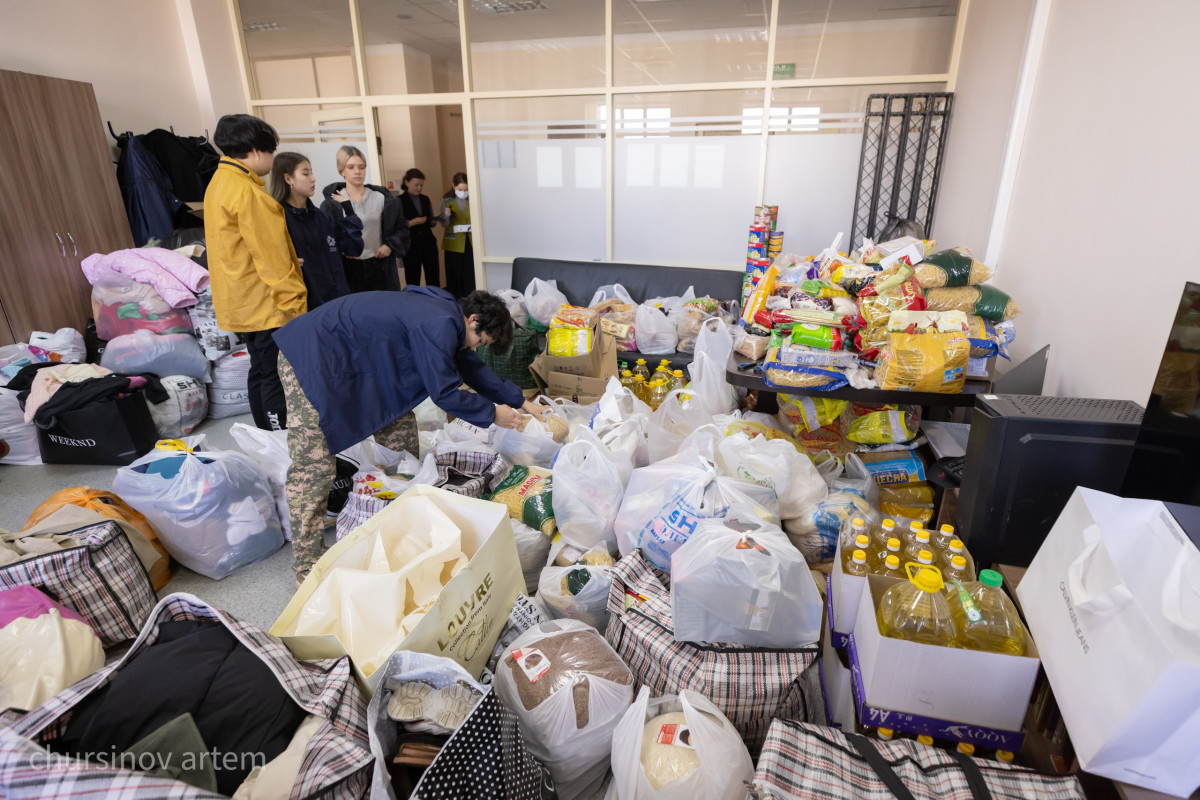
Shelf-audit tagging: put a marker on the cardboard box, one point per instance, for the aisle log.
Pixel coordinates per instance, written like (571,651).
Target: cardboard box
(836,684)
(845,594)
(466,619)
(580,387)
(989,690)
(590,365)
(875,715)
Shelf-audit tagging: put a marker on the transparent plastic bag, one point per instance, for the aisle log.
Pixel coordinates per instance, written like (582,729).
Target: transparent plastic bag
(776,464)
(569,689)
(742,582)
(655,333)
(533,549)
(853,494)
(576,415)
(168,354)
(675,418)
(703,757)
(532,447)
(577,592)
(542,299)
(514,301)
(430,420)
(122,305)
(213,510)
(664,503)
(589,482)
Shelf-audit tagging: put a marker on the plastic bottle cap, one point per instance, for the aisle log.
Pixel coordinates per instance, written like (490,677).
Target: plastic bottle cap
(862,541)
(925,557)
(990,577)
(922,536)
(887,733)
(893,544)
(947,529)
(927,579)
(893,562)
(860,557)
(915,525)
(956,545)
(641,361)
(678,373)
(959,562)
(925,740)
(858,522)
(1005,756)
(889,524)
(966,748)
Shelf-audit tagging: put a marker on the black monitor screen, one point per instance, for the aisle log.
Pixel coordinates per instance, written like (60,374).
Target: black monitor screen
(1166,459)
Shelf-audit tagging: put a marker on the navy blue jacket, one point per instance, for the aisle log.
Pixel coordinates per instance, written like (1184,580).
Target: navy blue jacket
(367,359)
(320,241)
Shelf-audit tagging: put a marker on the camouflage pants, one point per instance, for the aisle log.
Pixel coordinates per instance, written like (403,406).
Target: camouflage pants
(313,467)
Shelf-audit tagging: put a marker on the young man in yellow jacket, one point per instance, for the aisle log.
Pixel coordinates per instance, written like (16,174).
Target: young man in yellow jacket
(256,281)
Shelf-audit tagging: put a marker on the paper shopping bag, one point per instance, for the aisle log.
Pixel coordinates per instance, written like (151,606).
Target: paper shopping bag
(1113,600)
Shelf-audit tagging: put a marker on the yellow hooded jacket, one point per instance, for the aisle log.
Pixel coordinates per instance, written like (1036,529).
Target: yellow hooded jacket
(256,280)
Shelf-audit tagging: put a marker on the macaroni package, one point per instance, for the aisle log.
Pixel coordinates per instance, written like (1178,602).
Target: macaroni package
(923,362)
(982,301)
(953,267)
(810,413)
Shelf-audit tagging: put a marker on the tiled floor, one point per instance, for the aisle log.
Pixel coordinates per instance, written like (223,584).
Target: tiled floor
(256,594)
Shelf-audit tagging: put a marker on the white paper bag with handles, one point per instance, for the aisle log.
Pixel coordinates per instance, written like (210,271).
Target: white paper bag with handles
(1113,600)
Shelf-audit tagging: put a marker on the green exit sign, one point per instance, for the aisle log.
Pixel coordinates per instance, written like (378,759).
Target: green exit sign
(785,71)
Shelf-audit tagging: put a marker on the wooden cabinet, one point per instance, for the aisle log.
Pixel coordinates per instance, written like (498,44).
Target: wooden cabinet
(61,204)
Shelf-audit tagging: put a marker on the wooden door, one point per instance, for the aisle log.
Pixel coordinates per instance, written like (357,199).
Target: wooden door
(6,334)
(41,289)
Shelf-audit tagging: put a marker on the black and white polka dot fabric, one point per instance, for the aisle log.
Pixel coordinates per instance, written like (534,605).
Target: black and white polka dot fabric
(486,759)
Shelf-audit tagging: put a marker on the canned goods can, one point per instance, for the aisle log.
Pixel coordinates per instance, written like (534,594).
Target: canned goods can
(776,235)
(772,210)
(758,251)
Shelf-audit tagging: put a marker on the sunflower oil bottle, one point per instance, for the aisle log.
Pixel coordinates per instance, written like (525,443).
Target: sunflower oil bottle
(942,536)
(891,567)
(985,618)
(955,571)
(639,368)
(919,542)
(858,564)
(858,527)
(957,548)
(879,558)
(916,610)
(861,542)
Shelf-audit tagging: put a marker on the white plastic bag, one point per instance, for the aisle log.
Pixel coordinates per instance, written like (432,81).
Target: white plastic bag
(533,548)
(655,333)
(20,440)
(185,407)
(776,464)
(611,291)
(589,482)
(430,420)
(515,302)
(542,300)
(67,342)
(708,387)
(532,447)
(815,533)
(589,605)
(215,340)
(742,582)
(664,503)
(674,419)
(553,664)
(577,416)
(213,510)
(269,452)
(621,421)
(711,753)
(168,354)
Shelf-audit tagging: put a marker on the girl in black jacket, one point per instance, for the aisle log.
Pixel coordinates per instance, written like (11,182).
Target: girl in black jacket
(424,248)
(319,239)
(385,232)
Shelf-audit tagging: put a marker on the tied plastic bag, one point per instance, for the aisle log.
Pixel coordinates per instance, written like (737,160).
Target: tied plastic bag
(709,389)
(678,747)
(677,416)
(430,421)
(213,510)
(740,581)
(514,301)
(655,333)
(855,494)
(542,299)
(664,503)
(621,422)
(775,464)
(532,447)
(569,690)
(65,343)
(590,481)
(577,592)
(169,354)
(44,648)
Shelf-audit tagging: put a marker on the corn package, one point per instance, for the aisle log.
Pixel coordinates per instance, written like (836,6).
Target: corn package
(923,362)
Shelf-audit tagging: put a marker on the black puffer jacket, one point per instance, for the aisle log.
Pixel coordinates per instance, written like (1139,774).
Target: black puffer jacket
(393,226)
(320,241)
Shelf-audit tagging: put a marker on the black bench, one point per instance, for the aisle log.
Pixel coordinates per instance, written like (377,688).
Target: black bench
(579,280)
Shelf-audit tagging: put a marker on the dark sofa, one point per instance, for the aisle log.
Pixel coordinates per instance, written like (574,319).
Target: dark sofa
(579,280)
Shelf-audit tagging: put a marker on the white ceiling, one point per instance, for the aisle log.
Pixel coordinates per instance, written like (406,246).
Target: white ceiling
(322,27)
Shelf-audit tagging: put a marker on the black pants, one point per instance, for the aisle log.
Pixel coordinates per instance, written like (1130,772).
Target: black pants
(371,274)
(263,385)
(422,252)
(460,271)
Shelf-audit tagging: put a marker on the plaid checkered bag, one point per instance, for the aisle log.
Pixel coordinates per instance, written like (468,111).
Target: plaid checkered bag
(808,762)
(102,580)
(337,760)
(514,365)
(750,685)
(471,473)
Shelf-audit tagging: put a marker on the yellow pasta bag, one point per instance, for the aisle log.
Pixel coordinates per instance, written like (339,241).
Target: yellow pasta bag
(923,362)
(913,494)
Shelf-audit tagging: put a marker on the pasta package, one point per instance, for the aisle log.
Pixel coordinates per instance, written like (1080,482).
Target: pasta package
(928,322)
(923,362)
(811,413)
(784,376)
(527,492)
(989,338)
(875,309)
(982,301)
(887,425)
(953,267)
(574,317)
(884,281)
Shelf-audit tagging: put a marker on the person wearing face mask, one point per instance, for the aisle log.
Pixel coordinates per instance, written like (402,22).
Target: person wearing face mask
(455,216)
(385,232)
(358,366)
(318,239)
(423,251)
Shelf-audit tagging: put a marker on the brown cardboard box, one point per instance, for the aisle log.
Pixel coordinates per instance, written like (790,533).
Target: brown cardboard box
(590,365)
(561,377)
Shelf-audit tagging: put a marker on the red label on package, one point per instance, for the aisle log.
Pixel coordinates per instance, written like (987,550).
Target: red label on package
(677,735)
(532,662)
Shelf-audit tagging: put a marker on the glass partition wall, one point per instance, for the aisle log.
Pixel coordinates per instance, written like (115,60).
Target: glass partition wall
(609,130)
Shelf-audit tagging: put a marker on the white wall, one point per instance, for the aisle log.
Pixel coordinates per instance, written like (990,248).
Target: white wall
(1099,236)
(131,51)
(993,44)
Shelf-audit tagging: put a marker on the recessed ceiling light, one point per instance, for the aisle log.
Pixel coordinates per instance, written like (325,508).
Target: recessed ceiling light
(263,26)
(404,16)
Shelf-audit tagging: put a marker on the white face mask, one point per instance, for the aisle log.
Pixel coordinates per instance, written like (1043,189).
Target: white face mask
(460,195)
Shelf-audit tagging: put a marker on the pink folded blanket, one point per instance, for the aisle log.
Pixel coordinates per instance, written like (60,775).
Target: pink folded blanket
(173,275)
